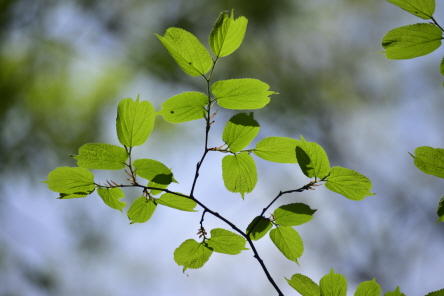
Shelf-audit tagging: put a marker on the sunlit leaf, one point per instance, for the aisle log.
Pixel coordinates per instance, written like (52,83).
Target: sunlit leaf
(312,159)
(368,288)
(288,241)
(67,180)
(304,285)
(187,50)
(240,130)
(191,254)
(440,210)
(111,197)
(184,107)
(397,292)
(277,149)
(293,214)
(430,160)
(421,8)
(226,242)
(177,202)
(239,173)
(436,293)
(349,183)
(135,121)
(141,210)
(101,157)
(411,41)
(159,175)
(260,229)
(333,284)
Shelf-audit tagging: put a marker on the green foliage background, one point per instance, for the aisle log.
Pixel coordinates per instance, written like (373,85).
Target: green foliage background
(64,67)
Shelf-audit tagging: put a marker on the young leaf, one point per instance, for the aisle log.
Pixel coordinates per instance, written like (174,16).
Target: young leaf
(369,288)
(440,210)
(159,175)
(397,292)
(333,284)
(312,159)
(187,50)
(101,157)
(411,41)
(191,254)
(67,180)
(293,214)
(277,149)
(135,121)
(73,195)
(349,183)
(240,130)
(430,160)
(227,34)
(226,242)
(304,285)
(184,107)
(421,8)
(260,228)
(239,173)
(241,94)
(436,293)
(141,210)
(441,67)
(111,197)
(177,202)
(288,241)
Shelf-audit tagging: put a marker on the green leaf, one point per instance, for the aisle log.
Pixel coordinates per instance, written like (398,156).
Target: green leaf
(187,50)
(333,284)
(312,159)
(349,183)
(184,107)
(177,202)
(67,180)
(430,160)
(369,288)
(288,241)
(240,130)
(260,228)
(101,157)
(135,121)
(411,41)
(441,67)
(141,210)
(421,8)
(293,214)
(304,285)
(241,94)
(159,175)
(440,210)
(239,173)
(191,254)
(397,292)
(111,197)
(436,293)
(73,195)
(277,149)
(226,242)
(227,34)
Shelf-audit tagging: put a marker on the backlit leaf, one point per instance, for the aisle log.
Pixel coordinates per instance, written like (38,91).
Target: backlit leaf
(135,121)
(293,214)
(440,210)
(397,292)
(177,202)
(226,242)
(368,288)
(333,284)
(312,159)
(277,149)
(240,94)
(436,293)
(141,210)
(191,254)
(184,107)
(227,34)
(111,197)
(187,50)
(349,183)
(304,285)
(260,229)
(288,241)
(239,173)
(411,41)
(67,180)
(421,8)
(101,157)
(159,175)
(240,130)
(430,160)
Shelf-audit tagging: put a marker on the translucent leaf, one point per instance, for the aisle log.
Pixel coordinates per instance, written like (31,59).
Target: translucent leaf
(101,157)
(186,49)
(430,160)
(184,107)
(191,254)
(441,67)
(277,149)
(111,197)
(293,214)
(312,159)
(260,228)
(288,241)
(141,210)
(333,284)
(159,175)
(73,195)
(227,34)
(369,288)
(177,202)
(440,210)
(349,183)
(411,41)
(304,285)
(241,94)
(135,121)
(226,242)
(436,293)
(239,173)
(67,180)
(421,8)
(240,130)
(397,292)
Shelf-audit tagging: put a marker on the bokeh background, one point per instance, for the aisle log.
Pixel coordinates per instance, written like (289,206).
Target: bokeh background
(64,66)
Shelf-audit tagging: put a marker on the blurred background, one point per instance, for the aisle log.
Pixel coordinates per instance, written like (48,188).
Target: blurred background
(65,65)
